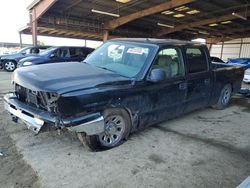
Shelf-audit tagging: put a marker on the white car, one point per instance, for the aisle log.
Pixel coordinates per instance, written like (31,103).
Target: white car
(246,78)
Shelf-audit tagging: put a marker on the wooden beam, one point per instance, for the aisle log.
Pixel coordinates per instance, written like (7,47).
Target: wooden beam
(197,24)
(37,11)
(216,40)
(111,25)
(71,5)
(52,32)
(42,7)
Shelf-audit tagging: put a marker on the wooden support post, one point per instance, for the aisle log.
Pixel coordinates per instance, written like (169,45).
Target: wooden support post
(105,35)
(20,40)
(34,27)
(210,47)
(36,12)
(240,47)
(222,46)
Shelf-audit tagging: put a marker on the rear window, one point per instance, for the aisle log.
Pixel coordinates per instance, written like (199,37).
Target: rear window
(196,60)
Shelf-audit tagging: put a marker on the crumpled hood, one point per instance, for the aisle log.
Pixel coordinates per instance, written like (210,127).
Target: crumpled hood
(63,77)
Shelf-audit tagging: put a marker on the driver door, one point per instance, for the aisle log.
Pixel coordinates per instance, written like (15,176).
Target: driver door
(167,97)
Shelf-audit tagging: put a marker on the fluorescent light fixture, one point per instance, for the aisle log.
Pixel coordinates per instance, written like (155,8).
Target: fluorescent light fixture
(123,1)
(105,13)
(168,12)
(226,22)
(203,32)
(193,12)
(201,40)
(182,8)
(239,16)
(165,25)
(213,24)
(178,15)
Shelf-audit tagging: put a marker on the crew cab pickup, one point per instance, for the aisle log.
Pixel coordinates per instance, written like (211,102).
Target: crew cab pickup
(123,86)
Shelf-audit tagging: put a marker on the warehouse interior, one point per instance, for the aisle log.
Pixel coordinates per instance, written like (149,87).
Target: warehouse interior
(219,22)
(99,20)
(79,102)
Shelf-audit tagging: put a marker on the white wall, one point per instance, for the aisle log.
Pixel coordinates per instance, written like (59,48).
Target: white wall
(232,49)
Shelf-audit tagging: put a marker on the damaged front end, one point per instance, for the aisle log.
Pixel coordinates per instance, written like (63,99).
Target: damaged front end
(36,108)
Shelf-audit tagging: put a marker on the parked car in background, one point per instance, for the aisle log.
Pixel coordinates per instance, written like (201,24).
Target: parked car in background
(9,62)
(217,60)
(246,78)
(123,86)
(245,62)
(56,55)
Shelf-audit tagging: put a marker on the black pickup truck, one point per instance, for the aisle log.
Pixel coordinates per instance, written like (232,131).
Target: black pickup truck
(123,86)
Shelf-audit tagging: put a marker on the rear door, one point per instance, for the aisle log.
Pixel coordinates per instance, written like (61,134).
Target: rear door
(199,78)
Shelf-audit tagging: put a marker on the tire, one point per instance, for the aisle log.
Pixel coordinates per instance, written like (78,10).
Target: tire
(224,98)
(117,129)
(9,65)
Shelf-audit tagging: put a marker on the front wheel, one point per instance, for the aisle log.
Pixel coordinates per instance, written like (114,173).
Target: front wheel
(9,66)
(117,129)
(224,98)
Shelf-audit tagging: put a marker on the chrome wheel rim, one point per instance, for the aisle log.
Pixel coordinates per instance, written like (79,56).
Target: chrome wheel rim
(114,129)
(226,95)
(9,65)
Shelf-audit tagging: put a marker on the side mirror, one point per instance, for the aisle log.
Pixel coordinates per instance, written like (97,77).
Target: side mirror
(23,53)
(52,55)
(157,75)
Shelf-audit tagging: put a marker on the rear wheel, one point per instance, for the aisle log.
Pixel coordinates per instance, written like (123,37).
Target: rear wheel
(9,66)
(225,96)
(117,129)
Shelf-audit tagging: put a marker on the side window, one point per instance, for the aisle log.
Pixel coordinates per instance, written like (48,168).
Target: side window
(196,60)
(63,52)
(57,53)
(78,52)
(27,51)
(73,52)
(34,51)
(170,61)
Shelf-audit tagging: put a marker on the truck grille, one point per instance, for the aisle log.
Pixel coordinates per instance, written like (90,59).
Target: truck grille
(38,99)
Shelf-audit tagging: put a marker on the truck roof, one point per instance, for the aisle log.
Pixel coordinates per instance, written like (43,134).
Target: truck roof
(159,41)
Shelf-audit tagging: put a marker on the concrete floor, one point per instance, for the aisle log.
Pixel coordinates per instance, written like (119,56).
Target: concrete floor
(206,148)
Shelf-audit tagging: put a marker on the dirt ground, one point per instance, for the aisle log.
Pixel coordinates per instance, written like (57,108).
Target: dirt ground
(206,148)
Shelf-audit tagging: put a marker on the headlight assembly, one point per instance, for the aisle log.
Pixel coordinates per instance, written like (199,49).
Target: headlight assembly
(27,63)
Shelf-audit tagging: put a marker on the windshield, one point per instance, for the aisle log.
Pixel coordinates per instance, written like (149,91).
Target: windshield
(124,58)
(48,51)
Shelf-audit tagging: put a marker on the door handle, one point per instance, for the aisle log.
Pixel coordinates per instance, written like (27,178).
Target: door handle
(182,86)
(207,81)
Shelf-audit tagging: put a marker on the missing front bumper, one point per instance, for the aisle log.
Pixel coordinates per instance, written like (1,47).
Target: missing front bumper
(35,118)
